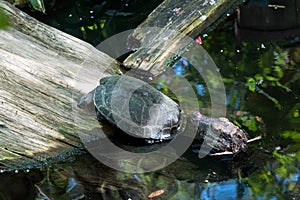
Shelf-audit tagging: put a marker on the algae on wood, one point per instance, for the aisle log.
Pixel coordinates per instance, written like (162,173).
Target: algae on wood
(42,73)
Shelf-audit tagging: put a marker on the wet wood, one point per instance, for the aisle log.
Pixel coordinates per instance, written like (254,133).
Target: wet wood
(174,20)
(43,72)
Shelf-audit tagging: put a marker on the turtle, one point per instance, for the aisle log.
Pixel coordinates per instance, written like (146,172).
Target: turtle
(135,107)
(142,111)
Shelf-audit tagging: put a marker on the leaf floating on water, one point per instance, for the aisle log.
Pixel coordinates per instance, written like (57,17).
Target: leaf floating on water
(156,193)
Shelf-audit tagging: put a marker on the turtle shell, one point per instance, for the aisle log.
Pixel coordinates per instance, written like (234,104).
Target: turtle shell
(137,108)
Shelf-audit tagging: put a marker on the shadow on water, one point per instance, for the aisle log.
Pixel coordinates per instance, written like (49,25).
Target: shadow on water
(262,81)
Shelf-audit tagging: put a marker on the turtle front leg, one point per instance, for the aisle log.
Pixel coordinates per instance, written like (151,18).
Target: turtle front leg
(86,100)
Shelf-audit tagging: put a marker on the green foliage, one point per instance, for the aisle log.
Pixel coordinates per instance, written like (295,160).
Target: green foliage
(284,163)
(251,84)
(274,100)
(260,66)
(250,123)
(297,156)
(272,65)
(274,179)
(294,135)
(296,113)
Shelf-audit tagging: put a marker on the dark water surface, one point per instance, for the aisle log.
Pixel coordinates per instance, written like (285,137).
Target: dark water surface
(262,81)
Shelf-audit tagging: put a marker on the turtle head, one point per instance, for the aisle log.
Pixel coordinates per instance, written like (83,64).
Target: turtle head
(220,134)
(86,100)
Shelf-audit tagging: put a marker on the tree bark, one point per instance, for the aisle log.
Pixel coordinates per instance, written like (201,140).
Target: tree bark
(43,72)
(167,28)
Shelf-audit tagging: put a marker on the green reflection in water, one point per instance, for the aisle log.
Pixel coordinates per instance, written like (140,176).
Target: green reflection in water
(263,86)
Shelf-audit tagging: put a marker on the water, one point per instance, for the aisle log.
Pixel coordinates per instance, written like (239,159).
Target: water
(262,81)
(94,21)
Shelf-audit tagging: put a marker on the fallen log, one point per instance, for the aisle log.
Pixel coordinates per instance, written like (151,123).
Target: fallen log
(166,27)
(39,86)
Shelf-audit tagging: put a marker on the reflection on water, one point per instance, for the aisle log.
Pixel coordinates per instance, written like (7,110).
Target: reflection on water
(86,178)
(95,20)
(268,170)
(262,81)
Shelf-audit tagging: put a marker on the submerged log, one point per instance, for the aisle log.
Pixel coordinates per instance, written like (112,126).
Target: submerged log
(42,73)
(166,28)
